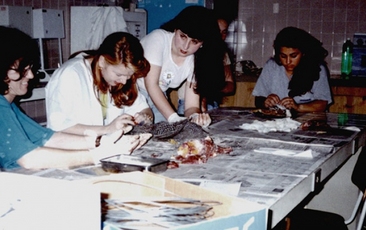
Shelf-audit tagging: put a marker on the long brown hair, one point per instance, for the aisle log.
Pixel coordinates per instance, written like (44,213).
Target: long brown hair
(119,48)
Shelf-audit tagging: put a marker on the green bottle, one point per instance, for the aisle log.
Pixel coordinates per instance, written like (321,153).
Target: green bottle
(346,65)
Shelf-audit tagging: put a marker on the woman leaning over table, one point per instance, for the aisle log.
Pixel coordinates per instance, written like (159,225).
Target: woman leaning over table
(96,89)
(23,142)
(186,48)
(297,76)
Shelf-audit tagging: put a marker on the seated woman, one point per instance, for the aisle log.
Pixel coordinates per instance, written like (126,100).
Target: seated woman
(297,76)
(96,89)
(23,142)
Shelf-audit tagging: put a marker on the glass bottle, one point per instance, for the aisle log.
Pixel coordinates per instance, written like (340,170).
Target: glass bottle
(346,65)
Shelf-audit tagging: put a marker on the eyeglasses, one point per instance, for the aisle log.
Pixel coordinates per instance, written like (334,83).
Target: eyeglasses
(24,72)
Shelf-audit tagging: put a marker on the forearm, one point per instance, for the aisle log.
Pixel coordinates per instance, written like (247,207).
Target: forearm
(79,129)
(162,104)
(314,106)
(188,112)
(44,157)
(60,140)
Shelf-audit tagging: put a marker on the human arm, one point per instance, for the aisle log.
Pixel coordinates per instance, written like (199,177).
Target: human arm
(157,96)
(119,123)
(266,102)
(66,151)
(313,106)
(145,116)
(230,86)
(192,110)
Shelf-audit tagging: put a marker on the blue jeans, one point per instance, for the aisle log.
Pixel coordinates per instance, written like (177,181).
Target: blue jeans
(180,109)
(157,115)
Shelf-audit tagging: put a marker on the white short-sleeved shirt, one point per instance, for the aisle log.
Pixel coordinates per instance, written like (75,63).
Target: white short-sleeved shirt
(71,100)
(157,49)
(273,80)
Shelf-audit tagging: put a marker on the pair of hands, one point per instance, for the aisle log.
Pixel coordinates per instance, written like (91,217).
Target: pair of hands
(125,120)
(201,119)
(117,143)
(273,100)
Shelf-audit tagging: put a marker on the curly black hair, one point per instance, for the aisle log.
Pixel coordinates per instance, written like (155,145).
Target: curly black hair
(314,55)
(15,46)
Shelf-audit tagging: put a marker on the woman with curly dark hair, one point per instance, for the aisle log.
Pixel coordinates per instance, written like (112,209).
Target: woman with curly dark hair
(297,76)
(96,89)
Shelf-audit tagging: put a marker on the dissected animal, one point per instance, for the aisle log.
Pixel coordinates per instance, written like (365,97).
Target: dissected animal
(199,151)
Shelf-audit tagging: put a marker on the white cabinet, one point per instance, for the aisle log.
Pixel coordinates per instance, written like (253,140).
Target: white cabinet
(48,23)
(19,17)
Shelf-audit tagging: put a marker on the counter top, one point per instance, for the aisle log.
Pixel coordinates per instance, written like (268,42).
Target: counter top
(335,80)
(279,182)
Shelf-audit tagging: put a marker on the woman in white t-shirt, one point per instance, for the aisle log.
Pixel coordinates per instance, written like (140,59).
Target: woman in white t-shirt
(96,89)
(186,48)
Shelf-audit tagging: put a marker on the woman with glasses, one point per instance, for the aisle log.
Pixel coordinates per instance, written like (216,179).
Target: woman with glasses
(23,142)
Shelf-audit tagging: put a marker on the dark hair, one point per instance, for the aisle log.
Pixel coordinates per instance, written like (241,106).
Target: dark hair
(200,23)
(16,45)
(119,48)
(314,55)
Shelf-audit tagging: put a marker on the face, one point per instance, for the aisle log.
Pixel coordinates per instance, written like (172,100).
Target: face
(18,88)
(183,45)
(290,58)
(115,74)
(223,28)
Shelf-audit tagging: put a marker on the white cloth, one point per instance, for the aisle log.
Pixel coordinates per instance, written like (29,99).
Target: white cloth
(157,49)
(281,125)
(71,100)
(273,79)
(106,20)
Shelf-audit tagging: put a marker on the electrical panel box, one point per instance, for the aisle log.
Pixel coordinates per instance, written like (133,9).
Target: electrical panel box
(19,17)
(136,22)
(359,55)
(48,23)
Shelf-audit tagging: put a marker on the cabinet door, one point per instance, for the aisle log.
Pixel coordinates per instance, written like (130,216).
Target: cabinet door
(243,96)
(348,100)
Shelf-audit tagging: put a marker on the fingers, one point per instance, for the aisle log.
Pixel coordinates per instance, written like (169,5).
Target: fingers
(128,143)
(289,103)
(202,119)
(142,118)
(144,137)
(271,100)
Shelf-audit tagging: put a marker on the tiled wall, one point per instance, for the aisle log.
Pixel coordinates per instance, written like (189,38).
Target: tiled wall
(331,21)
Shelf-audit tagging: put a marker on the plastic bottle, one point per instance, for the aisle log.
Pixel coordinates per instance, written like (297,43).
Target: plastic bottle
(346,66)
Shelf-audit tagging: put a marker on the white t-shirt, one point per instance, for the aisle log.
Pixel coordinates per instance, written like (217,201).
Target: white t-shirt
(157,49)
(71,100)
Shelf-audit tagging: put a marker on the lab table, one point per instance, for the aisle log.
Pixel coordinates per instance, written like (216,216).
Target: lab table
(280,182)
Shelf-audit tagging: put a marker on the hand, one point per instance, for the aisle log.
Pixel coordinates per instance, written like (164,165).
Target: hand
(143,119)
(123,122)
(289,103)
(109,146)
(144,137)
(271,101)
(175,118)
(202,119)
